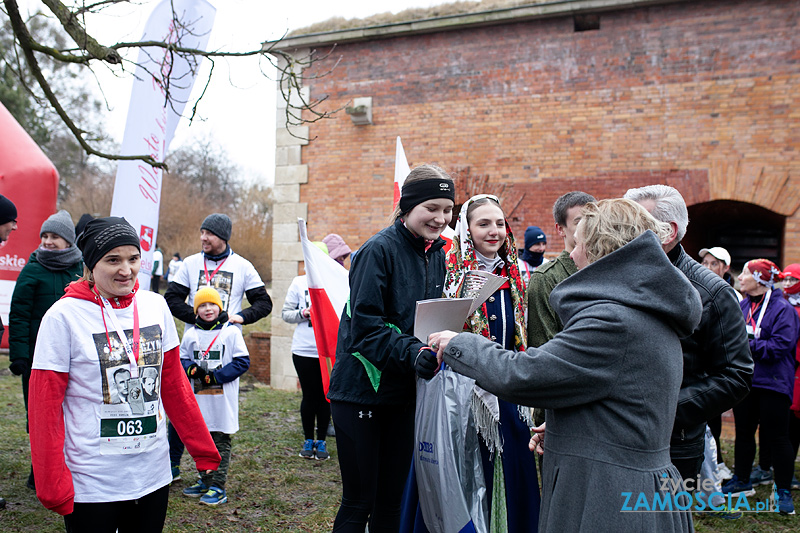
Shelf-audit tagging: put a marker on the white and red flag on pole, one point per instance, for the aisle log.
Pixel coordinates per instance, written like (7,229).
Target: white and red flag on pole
(328,289)
(401,171)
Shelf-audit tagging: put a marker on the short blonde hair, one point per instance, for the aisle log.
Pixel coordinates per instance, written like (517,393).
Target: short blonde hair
(608,225)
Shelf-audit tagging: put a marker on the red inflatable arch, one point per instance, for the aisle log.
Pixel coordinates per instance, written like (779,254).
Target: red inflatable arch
(29,179)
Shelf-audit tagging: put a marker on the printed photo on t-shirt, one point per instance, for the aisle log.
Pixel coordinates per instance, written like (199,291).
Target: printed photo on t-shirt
(115,366)
(222,281)
(208,361)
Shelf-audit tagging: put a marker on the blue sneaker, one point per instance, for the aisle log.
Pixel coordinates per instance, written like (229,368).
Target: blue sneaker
(176,473)
(785,504)
(736,486)
(321,451)
(308,449)
(196,490)
(214,496)
(760,476)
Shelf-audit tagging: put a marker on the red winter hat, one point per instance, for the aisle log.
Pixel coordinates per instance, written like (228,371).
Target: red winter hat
(764,271)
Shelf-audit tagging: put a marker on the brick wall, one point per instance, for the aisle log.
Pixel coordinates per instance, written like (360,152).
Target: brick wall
(704,96)
(657,94)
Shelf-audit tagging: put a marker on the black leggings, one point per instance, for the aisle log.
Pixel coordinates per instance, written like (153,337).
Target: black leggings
(769,411)
(313,405)
(145,515)
(375,444)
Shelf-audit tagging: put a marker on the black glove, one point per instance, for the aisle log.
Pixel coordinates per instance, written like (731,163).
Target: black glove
(19,367)
(425,364)
(210,378)
(195,372)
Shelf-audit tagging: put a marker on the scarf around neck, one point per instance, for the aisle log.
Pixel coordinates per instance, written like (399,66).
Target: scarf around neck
(56,260)
(461,258)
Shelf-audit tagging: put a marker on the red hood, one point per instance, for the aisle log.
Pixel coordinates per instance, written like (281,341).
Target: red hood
(81,290)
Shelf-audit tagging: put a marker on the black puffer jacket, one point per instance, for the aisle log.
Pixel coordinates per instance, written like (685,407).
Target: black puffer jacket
(717,365)
(376,348)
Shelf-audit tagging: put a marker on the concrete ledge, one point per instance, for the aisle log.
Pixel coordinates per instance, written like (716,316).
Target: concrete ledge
(460,21)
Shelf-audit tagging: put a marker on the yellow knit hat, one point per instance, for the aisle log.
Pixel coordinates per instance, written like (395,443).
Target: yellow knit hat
(207,295)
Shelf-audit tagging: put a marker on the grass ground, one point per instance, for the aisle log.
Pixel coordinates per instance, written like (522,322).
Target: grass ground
(270,488)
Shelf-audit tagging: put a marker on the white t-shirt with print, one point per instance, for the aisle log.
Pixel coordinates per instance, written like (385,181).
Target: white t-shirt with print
(112,454)
(303,342)
(218,403)
(235,276)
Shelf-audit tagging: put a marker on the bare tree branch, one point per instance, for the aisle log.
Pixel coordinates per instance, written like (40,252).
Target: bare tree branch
(299,108)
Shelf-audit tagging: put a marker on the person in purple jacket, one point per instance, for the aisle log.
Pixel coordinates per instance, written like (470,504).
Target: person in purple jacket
(772,327)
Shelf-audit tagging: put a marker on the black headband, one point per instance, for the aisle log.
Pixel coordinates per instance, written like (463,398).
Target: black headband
(416,192)
(102,235)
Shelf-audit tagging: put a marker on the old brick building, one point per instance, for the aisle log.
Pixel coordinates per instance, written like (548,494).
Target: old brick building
(533,101)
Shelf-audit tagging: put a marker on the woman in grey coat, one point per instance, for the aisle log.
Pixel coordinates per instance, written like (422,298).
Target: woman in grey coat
(609,381)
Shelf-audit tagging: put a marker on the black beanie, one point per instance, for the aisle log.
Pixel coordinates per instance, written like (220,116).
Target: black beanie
(8,211)
(102,235)
(218,224)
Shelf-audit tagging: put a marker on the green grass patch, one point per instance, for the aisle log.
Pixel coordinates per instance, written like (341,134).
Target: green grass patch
(269,487)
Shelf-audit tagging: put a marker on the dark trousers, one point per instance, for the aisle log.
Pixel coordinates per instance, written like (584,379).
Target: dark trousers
(689,468)
(155,283)
(176,446)
(313,406)
(145,515)
(767,411)
(375,444)
(220,476)
(715,425)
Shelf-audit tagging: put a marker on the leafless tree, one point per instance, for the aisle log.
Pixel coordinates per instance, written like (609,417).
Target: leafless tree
(88,52)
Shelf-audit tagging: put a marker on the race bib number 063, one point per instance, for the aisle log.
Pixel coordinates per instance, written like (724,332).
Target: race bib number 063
(127,435)
(128,427)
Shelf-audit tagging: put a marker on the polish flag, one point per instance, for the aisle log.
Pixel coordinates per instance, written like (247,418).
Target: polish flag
(328,289)
(401,171)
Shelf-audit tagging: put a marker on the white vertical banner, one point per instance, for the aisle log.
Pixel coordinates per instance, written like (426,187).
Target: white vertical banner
(152,119)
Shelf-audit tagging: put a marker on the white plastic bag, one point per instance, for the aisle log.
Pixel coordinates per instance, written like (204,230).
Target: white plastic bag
(447,459)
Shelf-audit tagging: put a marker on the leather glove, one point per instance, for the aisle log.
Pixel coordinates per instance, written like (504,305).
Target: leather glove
(19,367)
(210,378)
(195,372)
(425,364)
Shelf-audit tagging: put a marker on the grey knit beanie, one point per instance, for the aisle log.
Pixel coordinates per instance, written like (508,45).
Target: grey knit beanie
(218,224)
(61,224)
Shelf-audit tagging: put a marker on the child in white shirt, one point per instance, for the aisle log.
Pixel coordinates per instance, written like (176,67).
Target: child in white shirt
(214,355)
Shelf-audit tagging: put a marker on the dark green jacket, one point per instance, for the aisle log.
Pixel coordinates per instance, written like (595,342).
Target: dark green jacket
(37,289)
(543,322)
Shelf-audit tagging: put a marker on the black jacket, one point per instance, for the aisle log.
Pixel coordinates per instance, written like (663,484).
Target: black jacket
(376,348)
(717,365)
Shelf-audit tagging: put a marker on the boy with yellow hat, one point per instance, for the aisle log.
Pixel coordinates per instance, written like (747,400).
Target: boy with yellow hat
(214,355)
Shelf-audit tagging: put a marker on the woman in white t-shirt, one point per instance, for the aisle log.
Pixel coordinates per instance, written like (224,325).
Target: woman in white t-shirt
(98,431)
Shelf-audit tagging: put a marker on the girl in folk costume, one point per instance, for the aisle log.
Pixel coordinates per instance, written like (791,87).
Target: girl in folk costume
(485,242)
(98,440)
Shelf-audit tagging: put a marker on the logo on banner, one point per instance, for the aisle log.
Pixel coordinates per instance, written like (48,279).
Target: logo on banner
(146,238)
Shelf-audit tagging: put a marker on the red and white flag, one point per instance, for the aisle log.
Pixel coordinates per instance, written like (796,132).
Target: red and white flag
(328,289)
(401,171)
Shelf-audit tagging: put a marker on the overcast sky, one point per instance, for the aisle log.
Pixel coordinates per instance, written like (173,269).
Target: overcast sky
(238,110)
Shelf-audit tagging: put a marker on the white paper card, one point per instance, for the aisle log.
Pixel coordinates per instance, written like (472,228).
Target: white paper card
(440,314)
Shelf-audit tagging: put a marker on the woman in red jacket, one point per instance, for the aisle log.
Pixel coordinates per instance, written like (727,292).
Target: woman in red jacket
(99,447)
